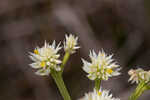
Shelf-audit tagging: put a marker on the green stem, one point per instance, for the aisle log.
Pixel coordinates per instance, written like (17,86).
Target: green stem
(97,84)
(65,59)
(61,85)
(138,92)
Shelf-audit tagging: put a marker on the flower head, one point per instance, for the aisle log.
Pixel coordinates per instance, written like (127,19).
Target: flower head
(46,58)
(99,95)
(70,45)
(137,75)
(101,66)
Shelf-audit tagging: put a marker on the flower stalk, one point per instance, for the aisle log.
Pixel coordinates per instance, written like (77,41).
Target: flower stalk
(97,84)
(65,59)
(138,91)
(61,85)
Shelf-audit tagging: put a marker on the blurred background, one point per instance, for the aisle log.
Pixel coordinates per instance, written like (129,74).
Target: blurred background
(118,26)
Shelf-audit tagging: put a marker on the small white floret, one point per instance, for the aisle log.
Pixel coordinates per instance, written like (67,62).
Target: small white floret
(70,44)
(137,75)
(46,58)
(99,95)
(102,66)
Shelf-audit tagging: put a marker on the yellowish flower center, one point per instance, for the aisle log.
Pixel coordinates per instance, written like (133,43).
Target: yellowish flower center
(109,71)
(102,54)
(36,51)
(42,64)
(99,93)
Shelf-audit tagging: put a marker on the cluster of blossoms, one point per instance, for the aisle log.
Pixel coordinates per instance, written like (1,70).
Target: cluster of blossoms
(99,95)
(102,66)
(70,45)
(46,58)
(138,75)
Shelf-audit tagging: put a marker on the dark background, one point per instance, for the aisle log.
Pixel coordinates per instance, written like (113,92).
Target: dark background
(121,27)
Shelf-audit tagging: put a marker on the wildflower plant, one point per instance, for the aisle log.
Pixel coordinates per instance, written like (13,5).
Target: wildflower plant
(46,61)
(101,67)
(140,77)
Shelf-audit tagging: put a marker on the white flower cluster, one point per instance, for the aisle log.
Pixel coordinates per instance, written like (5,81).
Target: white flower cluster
(101,66)
(99,95)
(46,58)
(137,75)
(70,45)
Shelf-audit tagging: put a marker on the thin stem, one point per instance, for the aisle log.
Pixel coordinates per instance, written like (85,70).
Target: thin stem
(138,92)
(65,59)
(97,84)
(61,85)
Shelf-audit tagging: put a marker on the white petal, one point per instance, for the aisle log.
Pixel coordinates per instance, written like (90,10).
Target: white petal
(34,65)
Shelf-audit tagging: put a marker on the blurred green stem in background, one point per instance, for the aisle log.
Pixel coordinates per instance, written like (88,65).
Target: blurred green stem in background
(139,90)
(97,84)
(60,84)
(65,59)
